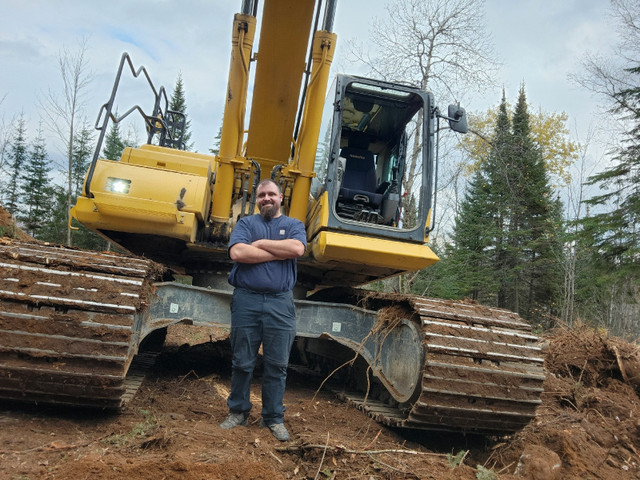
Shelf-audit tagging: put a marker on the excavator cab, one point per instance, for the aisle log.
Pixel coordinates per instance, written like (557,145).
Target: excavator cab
(369,216)
(362,161)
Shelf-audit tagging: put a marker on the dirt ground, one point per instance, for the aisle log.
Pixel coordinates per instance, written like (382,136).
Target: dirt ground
(587,427)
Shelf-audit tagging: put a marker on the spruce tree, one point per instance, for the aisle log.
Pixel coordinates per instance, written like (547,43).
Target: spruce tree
(113,143)
(505,238)
(54,229)
(473,233)
(536,216)
(178,103)
(616,230)
(35,186)
(82,154)
(17,158)
(498,170)
(610,234)
(215,149)
(476,258)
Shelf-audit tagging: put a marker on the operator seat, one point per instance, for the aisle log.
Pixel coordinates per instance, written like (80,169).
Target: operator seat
(359,181)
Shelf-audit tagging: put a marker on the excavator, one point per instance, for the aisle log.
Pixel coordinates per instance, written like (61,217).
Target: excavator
(356,162)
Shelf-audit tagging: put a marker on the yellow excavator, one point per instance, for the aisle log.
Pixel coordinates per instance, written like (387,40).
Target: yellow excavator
(356,163)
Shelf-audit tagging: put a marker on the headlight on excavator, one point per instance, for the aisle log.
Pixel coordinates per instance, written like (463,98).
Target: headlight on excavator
(117,185)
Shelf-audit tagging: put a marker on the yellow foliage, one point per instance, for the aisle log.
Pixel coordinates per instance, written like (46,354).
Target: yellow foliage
(548,131)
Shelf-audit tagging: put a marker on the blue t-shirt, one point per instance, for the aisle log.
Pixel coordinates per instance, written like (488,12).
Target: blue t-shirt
(275,276)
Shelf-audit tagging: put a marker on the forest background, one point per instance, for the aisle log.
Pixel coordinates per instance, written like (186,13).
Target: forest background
(523,222)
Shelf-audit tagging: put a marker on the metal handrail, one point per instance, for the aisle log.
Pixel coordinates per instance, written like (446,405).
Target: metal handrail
(106,111)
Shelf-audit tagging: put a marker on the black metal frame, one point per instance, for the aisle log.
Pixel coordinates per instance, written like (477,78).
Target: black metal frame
(162,121)
(336,222)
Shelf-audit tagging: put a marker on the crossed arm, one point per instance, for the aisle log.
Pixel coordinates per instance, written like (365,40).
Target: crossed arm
(266,250)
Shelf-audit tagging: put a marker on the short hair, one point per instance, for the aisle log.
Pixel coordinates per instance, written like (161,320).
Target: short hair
(269,180)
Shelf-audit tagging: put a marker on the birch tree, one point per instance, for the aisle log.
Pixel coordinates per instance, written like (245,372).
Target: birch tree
(438,45)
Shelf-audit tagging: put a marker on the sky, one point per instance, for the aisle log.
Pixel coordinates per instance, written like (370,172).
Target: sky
(539,42)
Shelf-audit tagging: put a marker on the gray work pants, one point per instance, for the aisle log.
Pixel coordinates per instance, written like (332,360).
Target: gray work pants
(270,319)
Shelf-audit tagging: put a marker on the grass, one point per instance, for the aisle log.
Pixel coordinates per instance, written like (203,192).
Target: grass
(139,431)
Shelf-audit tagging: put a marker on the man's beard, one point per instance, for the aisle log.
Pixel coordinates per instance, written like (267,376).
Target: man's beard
(269,211)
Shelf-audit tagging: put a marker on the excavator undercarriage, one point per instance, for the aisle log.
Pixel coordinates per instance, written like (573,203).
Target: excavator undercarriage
(72,322)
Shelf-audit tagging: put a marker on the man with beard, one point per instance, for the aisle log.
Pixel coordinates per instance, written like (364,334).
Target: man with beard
(264,248)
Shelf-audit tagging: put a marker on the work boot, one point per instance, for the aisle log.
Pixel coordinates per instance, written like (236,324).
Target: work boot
(234,420)
(278,430)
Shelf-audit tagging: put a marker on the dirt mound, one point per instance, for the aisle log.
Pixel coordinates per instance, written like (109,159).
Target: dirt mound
(9,229)
(590,412)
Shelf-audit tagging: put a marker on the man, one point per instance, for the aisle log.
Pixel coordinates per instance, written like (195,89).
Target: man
(265,248)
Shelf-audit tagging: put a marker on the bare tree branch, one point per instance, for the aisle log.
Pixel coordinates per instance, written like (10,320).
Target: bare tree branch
(61,113)
(6,131)
(441,45)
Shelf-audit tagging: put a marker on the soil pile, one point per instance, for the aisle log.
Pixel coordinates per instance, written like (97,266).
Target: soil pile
(9,229)
(590,412)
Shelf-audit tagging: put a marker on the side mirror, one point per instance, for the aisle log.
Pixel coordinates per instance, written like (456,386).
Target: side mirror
(457,118)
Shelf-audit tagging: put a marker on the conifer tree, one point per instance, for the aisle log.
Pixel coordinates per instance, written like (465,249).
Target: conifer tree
(113,143)
(17,158)
(476,257)
(499,170)
(471,266)
(616,231)
(178,103)
(54,230)
(215,149)
(35,186)
(610,235)
(82,152)
(505,236)
(536,221)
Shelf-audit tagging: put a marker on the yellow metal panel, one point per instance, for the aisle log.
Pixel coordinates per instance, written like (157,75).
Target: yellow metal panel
(375,252)
(140,209)
(232,135)
(318,216)
(102,213)
(169,159)
(154,185)
(284,38)
(307,142)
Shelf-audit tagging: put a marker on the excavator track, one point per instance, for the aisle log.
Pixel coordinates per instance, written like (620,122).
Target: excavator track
(69,324)
(483,372)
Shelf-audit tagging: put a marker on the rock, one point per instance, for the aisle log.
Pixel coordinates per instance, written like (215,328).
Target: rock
(538,463)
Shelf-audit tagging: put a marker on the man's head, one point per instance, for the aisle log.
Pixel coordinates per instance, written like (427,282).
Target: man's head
(269,199)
